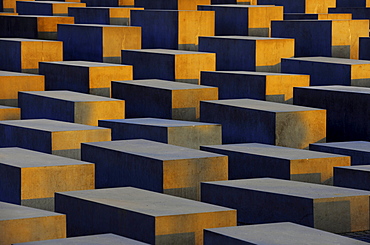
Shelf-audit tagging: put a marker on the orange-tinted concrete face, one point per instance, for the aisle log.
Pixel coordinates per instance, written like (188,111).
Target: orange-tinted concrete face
(189,66)
(359,72)
(191,4)
(259,19)
(319,6)
(32,229)
(248,2)
(282,86)
(8,13)
(10,5)
(269,53)
(334,16)
(43,182)
(347,33)
(193,24)
(126,2)
(192,223)
(66,140)
(49,24)
(121,12)
(301,128)
(101,77)
(90,112)
(317,170)
(118,38)
(10,113)
(35,52)
(62,8)
(349,214)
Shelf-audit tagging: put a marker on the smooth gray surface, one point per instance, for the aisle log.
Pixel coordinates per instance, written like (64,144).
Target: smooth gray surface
(159,122)
(163,84)
(69,96)
(83,63)
(11,211)
(332,60)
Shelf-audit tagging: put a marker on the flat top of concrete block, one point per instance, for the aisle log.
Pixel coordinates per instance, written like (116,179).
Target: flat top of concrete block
(145,202)
(365,168)
(11,211)
(363,146)
(273,151)
(284,233)
(48,125)
(38,16)
(84,63)
(251,38)
(153,150)
(164,51)
(163,84)
(239,6)
(28,40)
(96,25)
(22,158)
(260,105)
(159,122)
(103,239)
(12,74)
(338,88)
(291,188)
(341,61)
(254,73)
(7,107)
(52,2)
(69,96)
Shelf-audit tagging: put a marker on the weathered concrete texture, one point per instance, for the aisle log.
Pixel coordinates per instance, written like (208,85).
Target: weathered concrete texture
(24,224)
(305,6)
(357,177)
(242,53)
(275,87)
(330,71)
(99,43)
(50,136)
(109,3)
(13,82)
(328,208)
(141,215)
(331,16)
(171,4)
(83,76)
(347,110)
(104,239)
(359,151)
(259,160)
(331,38)
(174,132)
(162,99)
(70,106)
(102,15)
(153,166)
(27,176)
(172,29)
(248,121)
(49,8)
(274,234)
(9,113)
(167,64)
(32,26)
(24,55)
(244,20)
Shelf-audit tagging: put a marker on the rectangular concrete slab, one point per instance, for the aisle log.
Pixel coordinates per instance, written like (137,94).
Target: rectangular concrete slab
(356,177)
(153,166)
(174,132)
(305,6)
(172,4)
(329,208)
(274,234)
(259,160)
(141,215)
(9,113)
(24,224)
(248,121)
(51,8)
(70,106)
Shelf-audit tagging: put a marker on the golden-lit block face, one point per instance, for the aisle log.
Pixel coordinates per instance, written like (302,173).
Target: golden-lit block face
(282,86)
(317,170)
(117,38)
(11,6)
(121,12)
(126,2)
(300,128)
(334,16)
(10,113)
(101,77)
(189,66)
(193,24)
(269,53)
(347,33)
(8,13)
(182,177)
(191,4)
(360,74)
(49,23)
(32,229)
(43,182)
(67,140)
(349,214)
(39,51)
(248,2)
(259,19)
(90,112)
(319,6)
(195,223)
(62,8)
